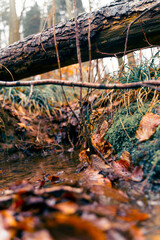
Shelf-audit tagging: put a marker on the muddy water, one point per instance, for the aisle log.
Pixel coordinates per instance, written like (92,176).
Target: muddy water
(33,168)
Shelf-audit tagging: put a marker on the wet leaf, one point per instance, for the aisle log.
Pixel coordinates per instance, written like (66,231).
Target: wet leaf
(124,165)
(40,235)
(133,215)
(115,235)
(137,174)
(83,156)
(147,126)
(73,227)
(22,125)
(67,207)
(53,178)
(136,233)
(124,168)
(116,195)
(99,142)
(7,225)
(98,163)
(93,178)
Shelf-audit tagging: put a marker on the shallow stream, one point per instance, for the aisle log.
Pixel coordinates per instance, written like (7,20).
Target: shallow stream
(64,165)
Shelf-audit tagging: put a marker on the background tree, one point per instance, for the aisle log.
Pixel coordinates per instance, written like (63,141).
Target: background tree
(14,34)
(31,21)
(63,9)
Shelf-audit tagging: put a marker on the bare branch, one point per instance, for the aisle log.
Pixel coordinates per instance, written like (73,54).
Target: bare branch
(134,85)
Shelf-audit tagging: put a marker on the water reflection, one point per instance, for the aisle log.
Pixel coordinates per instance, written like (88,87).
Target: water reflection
(33,168)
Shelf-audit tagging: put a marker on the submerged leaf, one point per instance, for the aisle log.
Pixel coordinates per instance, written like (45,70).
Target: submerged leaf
(147,126)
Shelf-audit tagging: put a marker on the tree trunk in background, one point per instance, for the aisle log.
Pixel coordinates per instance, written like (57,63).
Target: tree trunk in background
(36,54)
(120,62)
(14,34)
(69,8)
(131,59)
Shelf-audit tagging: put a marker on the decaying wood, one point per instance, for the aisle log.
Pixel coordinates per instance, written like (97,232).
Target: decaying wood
(37,54)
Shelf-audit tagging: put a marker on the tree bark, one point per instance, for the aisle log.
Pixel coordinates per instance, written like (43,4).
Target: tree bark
(36,54)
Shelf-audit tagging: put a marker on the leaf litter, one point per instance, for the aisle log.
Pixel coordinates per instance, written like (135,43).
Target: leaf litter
(96,204)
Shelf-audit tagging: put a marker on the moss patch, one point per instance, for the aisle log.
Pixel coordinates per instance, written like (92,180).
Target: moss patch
(122,136)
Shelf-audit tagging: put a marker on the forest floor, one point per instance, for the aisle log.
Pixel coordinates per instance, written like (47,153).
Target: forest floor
(114,191)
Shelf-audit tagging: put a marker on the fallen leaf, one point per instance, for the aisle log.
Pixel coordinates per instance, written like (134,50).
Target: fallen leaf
(22,125)
(115,235)
(67,207)
(72,227)
(83,157)
(147,126)
(40,235)
(98,163)
(137,233)
(104,128)
(99,142)
(137,174)
(134,215)
(116,194)
(93,178)
(124,165)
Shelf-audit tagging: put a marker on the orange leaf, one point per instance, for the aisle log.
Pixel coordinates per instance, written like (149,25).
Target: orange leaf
(147,126)
(133,215)
(67,207)
(80,229)
(83,157)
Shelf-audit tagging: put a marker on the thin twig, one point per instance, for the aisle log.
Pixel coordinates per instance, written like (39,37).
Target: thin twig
(134,85)
(78,50)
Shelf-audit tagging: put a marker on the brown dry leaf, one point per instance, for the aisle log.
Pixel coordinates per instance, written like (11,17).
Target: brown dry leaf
(22,125)
(27,224)
(147,126)
(99,142)
(93,178)
(67,207)
(53,178)
(83,157)
(104,128)
(98,163)
(40,235)
(115,235)
(124,168)
(73,227)
(110,192)
(137,174)
(133,215)
(7,225)
(124,165)
(116,194)
(137,233)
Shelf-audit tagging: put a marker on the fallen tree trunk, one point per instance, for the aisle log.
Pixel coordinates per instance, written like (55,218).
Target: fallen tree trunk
(36,54)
